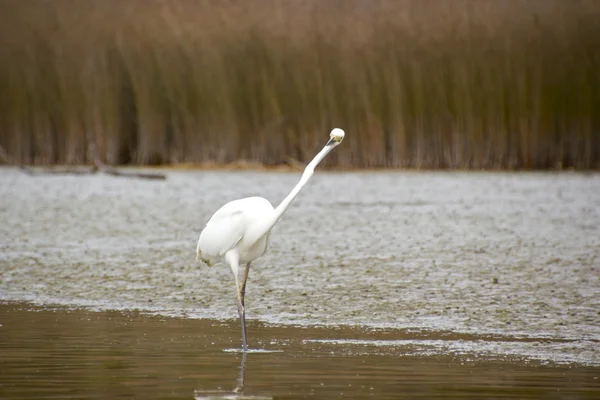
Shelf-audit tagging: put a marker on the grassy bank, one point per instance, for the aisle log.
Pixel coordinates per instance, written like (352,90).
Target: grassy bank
(425,84)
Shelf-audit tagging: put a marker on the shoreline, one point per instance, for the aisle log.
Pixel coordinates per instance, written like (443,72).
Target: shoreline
(411,341)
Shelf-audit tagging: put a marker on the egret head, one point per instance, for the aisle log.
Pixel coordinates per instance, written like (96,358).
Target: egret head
(336,136)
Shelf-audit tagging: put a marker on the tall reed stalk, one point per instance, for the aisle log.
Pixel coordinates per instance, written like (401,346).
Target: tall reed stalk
(419,84)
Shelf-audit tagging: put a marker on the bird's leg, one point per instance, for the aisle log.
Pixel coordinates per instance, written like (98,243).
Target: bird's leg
(242,306)
(242,313)
(245,278)
(233,261)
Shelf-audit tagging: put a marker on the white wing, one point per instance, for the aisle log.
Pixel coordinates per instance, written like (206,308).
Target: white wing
(222,233)
(227,226)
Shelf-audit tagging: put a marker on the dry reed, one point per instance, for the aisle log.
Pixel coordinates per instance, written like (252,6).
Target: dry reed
(415,83)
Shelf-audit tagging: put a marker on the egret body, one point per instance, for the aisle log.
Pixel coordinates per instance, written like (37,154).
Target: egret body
(238,233)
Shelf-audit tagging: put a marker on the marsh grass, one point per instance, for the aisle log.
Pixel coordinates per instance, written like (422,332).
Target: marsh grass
(420,84)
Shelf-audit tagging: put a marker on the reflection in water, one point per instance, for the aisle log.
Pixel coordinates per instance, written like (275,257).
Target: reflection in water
(237,393)
(240,382)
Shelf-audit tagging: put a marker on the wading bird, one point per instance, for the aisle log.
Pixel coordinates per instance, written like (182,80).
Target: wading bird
(238,233)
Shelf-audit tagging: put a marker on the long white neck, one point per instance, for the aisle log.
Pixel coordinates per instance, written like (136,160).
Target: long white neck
(265,226)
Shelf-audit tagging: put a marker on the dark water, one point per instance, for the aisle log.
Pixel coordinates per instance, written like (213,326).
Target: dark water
(59,353)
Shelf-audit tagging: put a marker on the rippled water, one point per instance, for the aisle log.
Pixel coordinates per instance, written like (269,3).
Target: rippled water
(508,259)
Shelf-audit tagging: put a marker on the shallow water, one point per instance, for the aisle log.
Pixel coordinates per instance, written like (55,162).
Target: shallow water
(511,257)
(69,353)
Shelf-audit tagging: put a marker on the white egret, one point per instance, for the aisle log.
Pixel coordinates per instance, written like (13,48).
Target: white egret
(238,233)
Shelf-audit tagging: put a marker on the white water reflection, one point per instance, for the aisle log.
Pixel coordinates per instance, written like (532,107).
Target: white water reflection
(238,391)
(525,351)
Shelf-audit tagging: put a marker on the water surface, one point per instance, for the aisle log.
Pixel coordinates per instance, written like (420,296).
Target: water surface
(506,261)
(72,353)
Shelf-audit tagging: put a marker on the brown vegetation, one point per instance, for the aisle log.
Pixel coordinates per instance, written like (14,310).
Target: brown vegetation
(415,83)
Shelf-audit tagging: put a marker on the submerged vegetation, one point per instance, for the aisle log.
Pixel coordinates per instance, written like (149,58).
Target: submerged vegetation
(420,84)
